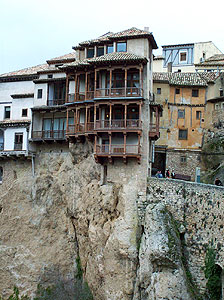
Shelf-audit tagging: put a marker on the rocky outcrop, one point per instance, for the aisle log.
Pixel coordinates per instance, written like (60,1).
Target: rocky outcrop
(161,274)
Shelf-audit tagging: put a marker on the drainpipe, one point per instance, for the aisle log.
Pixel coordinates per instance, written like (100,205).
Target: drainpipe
(33,166)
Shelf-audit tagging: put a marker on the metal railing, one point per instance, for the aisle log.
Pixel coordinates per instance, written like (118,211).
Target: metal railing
(18,146)
(55,102)
(48,134)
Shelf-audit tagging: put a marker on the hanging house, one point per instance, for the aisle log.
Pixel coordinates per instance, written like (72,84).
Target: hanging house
(109,94)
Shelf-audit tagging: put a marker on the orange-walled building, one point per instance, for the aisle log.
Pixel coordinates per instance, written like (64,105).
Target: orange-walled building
(183,97)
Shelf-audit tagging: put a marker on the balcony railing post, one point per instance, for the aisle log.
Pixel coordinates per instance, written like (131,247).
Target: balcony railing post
(109,142)
(125,137)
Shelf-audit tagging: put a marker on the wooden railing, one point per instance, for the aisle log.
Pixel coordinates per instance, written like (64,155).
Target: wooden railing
(55,102)
(117,149)
(105,93)
(118,124)
(154,131)
(48,134)
(103,125)
(118,92)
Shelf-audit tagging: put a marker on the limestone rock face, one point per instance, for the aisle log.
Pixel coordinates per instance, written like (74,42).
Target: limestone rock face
(60,214)
(160,274)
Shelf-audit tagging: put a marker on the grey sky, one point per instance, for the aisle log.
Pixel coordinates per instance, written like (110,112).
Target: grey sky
(33,31)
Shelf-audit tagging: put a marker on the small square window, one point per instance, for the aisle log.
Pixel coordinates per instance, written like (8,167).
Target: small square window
(177,91)
(7,112)
(183,159)
(216,106)
(24,112)
(195,93)
(50,76)
(183,56)
(100,51)
(121,47)
(158,91)
(198,115)
(90,52)
(182,134)
(110,48)
(181,114)
(39,93)
(221,92)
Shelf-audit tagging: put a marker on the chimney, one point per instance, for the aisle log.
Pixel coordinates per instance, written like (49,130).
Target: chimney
(146,28)
(169,67)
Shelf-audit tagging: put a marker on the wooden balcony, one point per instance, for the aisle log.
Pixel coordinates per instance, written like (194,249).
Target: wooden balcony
(117,150)
(154,133)
(48,135)
(104,126)
(105,93)
(55,102)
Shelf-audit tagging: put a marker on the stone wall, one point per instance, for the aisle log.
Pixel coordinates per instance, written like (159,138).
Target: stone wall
(175,160)
(198,209)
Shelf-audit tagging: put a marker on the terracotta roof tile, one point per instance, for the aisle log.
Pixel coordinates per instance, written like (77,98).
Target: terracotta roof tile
(184,79)
(125,34)
(215,60)
(26,71)
(62,58)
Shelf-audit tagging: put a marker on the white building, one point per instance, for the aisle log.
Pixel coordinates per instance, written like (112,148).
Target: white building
(16,101)
(184,57)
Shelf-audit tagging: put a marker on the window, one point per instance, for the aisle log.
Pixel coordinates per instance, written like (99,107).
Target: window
(39,93)
(198,115)
(50,76)
(18,144)
(121,47)
(195,93)
(177,91)
(182,134)
(7,112)
(100,51)
(24,112)
(183,56)
(181,114)
(220,92)
(158,91)
(183,159)
(90,52)
(216,106)
(110,48)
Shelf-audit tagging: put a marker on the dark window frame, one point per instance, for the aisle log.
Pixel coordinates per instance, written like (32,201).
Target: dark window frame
(198,115)
(177,91)
(7,112)
(26,112)
(195,92)
(181,114)
(183,134)
(159,91)
(120,44)
(98,50)
(90,52)
(39,93)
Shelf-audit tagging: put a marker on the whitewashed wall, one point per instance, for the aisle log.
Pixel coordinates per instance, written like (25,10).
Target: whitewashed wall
(9,138)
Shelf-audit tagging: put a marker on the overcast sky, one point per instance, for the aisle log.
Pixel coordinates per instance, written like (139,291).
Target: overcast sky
(32,31)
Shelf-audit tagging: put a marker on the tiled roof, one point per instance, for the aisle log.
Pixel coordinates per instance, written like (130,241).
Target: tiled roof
(215,60)
(185,79)
(63,58)
(27,95)
(125,34)
(26,71)
(115,57)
